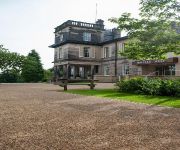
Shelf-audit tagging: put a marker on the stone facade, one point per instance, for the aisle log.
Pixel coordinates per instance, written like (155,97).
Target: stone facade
(82,47)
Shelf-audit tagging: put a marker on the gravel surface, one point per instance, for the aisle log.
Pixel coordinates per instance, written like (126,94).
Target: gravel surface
(43,117)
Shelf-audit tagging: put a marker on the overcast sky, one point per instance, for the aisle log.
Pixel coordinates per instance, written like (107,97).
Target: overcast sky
(29,24)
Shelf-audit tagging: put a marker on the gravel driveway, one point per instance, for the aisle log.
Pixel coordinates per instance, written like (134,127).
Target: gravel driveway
(41,116)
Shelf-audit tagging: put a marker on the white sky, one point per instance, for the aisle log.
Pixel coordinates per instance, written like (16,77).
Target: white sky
(29,24)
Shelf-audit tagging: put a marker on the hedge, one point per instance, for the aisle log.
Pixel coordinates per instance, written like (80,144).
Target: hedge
(151,86)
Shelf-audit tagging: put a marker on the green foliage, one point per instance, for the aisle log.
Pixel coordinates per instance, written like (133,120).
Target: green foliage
(155,33)
(133,85)
(48,75)
(32,70)
(122,96)
(10,60)
(10,76)
(166,9)
(10,65)
(170,87)
(151,86)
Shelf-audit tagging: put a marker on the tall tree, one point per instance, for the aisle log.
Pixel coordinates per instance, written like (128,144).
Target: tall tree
(156,32)
(32,70)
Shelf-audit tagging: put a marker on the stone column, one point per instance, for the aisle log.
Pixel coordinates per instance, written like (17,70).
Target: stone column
(92,78)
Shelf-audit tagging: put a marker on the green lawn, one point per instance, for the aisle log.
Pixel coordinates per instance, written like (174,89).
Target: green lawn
(114,94)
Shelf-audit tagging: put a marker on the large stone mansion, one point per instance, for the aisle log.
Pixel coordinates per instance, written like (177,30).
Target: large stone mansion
(81,47)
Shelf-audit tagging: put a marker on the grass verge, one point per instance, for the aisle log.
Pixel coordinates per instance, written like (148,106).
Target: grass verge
(116,95)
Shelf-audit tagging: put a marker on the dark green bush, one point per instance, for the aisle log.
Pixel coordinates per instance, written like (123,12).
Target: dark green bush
(151,86)
(10,76)
(134,85)
(170,87)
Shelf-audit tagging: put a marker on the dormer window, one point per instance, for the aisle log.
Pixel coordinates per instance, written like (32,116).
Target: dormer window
(86,36)
(61,37)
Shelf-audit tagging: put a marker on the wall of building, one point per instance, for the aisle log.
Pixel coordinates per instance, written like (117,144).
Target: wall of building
(74,50)
(105,79)
(178,67)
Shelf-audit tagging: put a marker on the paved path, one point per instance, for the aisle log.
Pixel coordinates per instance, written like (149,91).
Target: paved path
(40,116)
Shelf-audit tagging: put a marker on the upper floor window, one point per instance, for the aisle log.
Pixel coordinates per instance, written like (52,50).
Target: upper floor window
(86,51)
(60,53)
(86,36)
(106,52)
(55,54)
(121,47)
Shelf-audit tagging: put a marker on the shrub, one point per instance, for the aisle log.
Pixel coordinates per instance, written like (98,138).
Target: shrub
(170,87)
(10,76)
(133,85)
(151,86)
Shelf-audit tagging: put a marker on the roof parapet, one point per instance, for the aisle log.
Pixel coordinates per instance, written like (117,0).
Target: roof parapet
(98,25)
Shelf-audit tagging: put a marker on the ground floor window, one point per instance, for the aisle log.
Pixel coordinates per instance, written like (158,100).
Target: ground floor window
(106,70)
(96,69)
(126,69)
(72,71)
(165,70)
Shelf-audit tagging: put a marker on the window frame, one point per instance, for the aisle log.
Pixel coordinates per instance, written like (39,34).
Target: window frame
(106,52)
(61,37)
(121,47)
(106,73)
(88,52)
(126,69)
(86,36)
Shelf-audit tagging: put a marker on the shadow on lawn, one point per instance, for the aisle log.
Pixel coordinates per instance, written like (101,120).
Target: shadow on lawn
(166,100)
(161,99)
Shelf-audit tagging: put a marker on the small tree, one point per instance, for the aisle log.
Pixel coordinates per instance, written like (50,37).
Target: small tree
(155,33)
(10,60)
(32,70)
(48,74)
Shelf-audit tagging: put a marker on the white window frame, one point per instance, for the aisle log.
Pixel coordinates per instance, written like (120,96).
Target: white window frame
(86,36)
(126,69)
(106,52)
(121,47)
(91,52)
(88,50)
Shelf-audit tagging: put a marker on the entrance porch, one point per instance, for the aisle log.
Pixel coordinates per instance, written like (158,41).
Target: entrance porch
(75,71)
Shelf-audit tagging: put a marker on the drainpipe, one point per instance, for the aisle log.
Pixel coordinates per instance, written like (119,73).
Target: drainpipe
(116,55)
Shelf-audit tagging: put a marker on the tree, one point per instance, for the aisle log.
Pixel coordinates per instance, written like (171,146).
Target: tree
(48,74)
(10,60)
(32,70)
(10,76)
(155,33)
